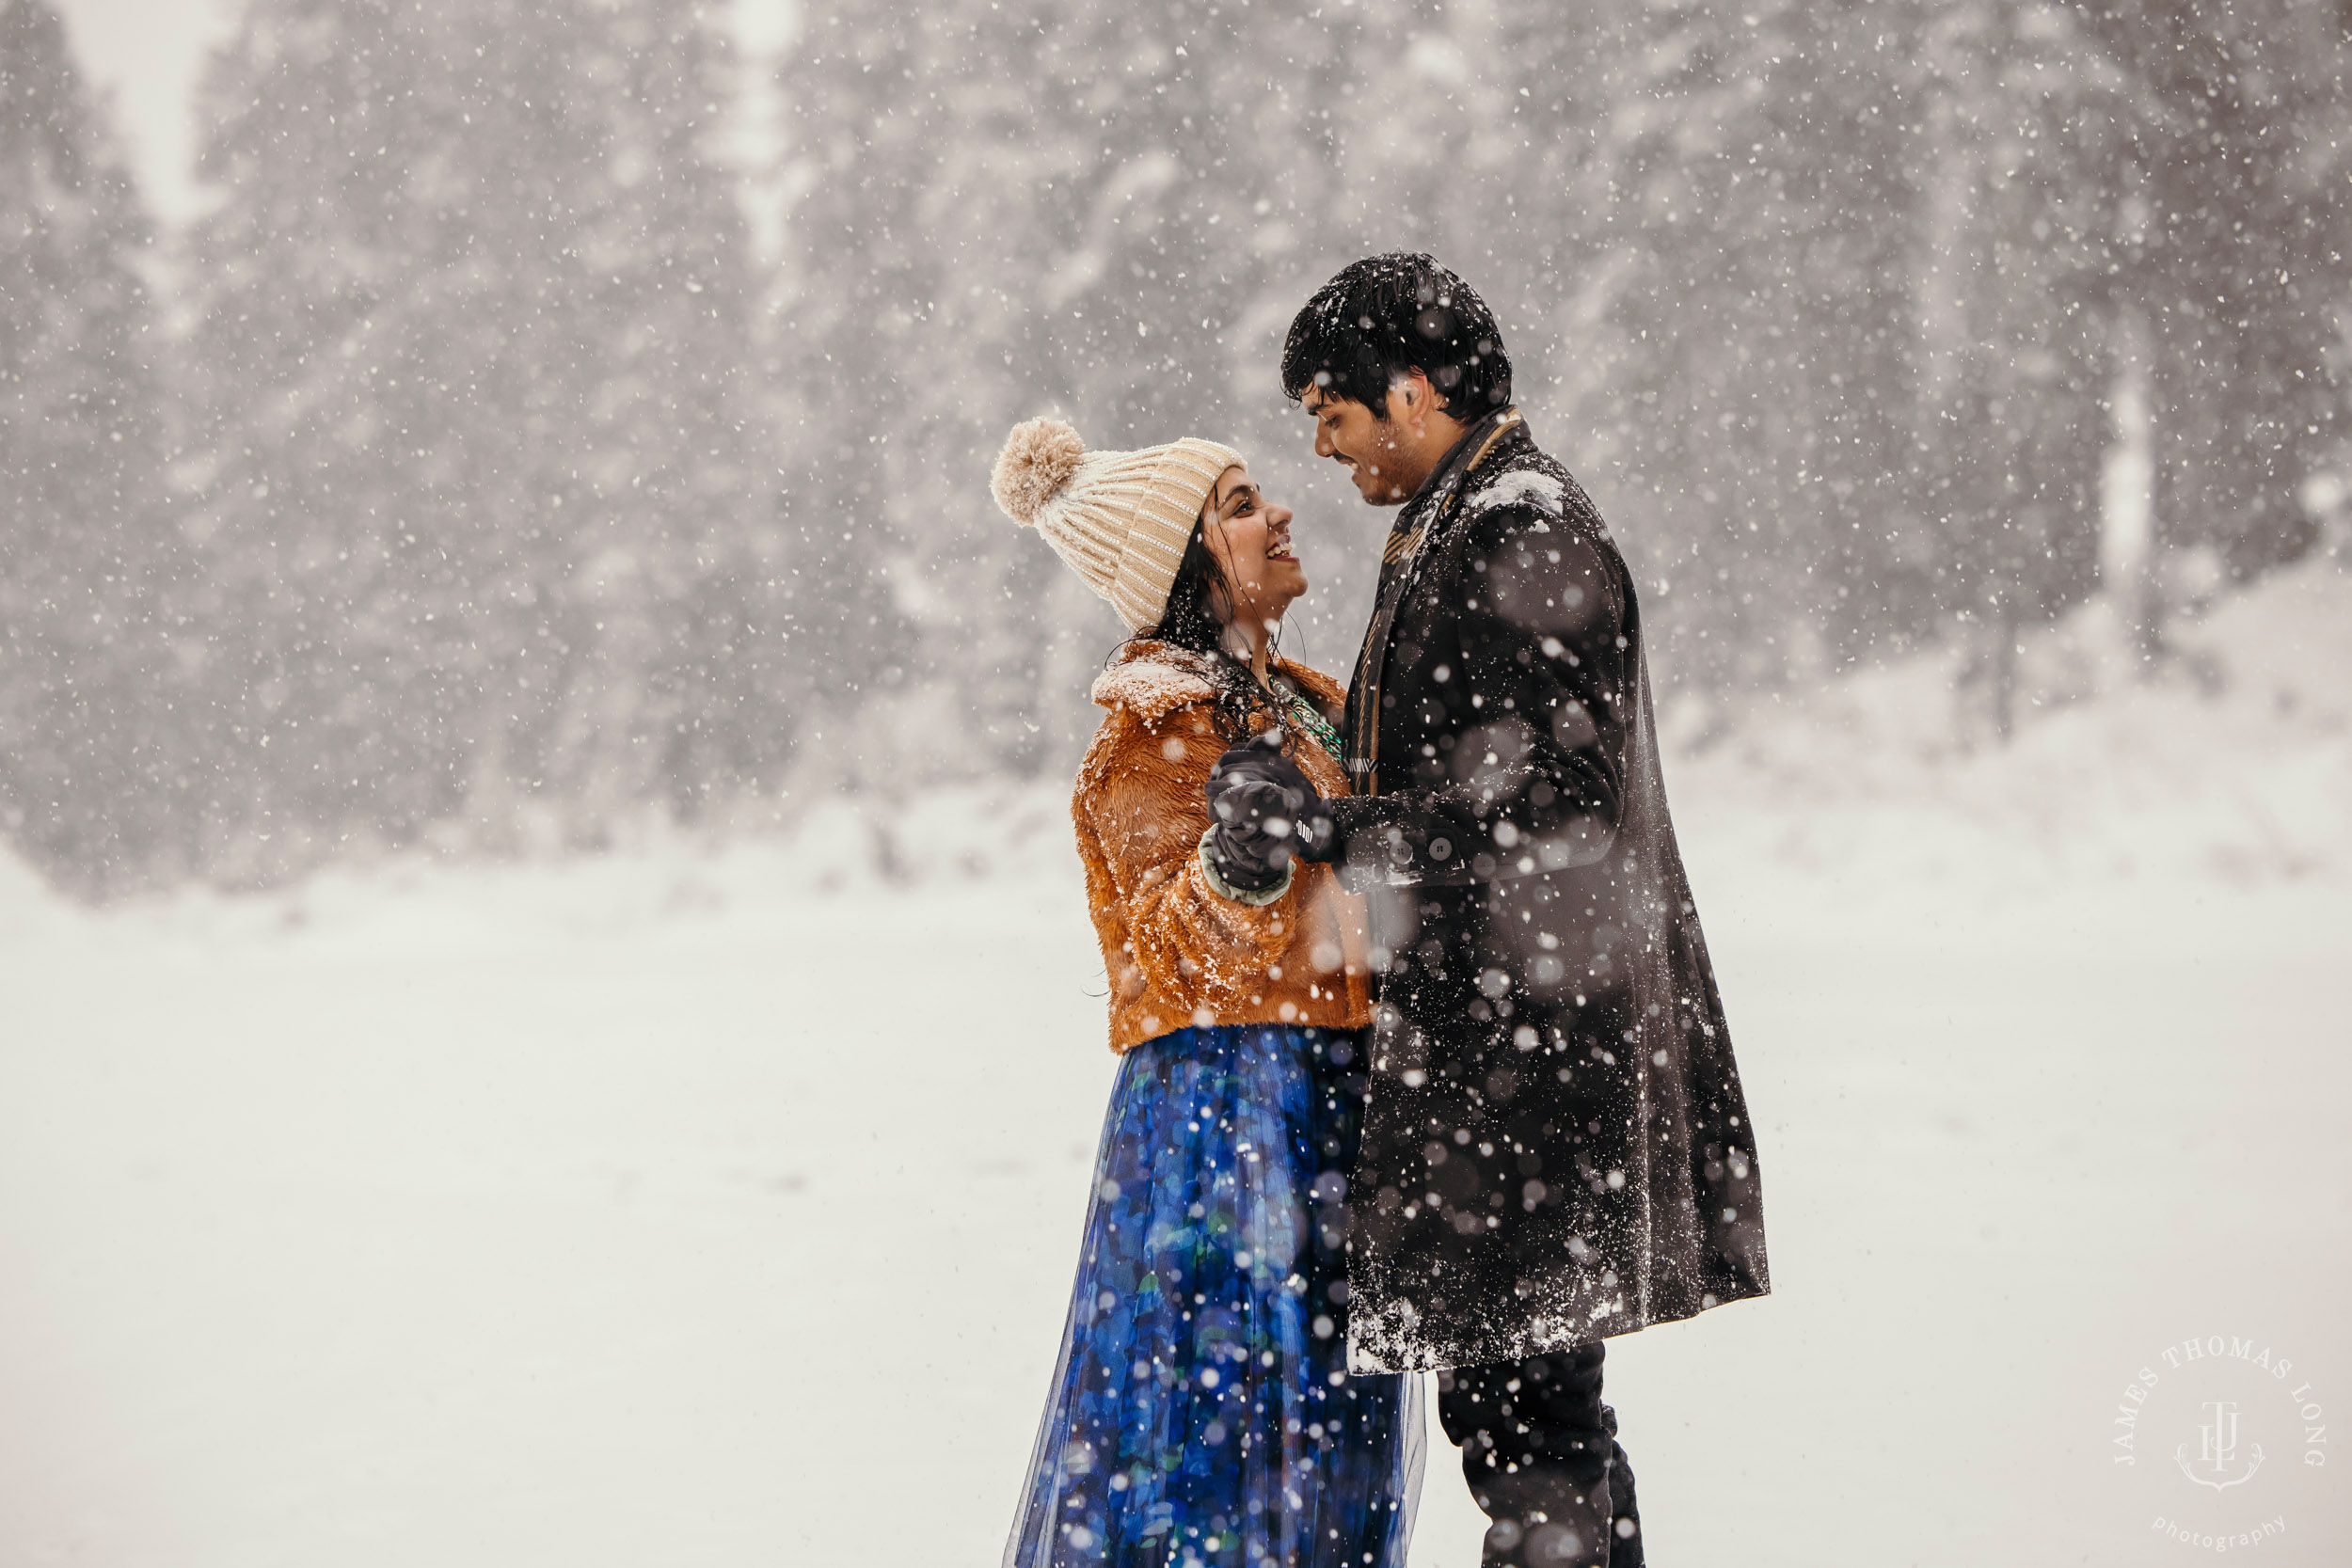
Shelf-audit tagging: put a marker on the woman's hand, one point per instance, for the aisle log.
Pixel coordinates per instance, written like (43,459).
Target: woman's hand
(1261,811)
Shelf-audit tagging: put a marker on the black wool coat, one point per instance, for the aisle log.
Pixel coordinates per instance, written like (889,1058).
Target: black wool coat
(1556,1149)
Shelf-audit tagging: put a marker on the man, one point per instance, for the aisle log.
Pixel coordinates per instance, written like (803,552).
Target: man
(1556,1149)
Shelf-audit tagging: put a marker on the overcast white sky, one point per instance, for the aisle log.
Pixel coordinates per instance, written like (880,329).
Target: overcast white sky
(145,56)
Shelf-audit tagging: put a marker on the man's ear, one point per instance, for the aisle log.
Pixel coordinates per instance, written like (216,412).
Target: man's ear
(1410,397)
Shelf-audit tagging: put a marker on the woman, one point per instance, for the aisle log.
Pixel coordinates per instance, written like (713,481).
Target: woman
(1202,1412)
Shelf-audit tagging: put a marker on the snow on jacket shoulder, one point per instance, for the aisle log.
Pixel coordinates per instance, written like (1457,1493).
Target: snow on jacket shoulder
(1178,954)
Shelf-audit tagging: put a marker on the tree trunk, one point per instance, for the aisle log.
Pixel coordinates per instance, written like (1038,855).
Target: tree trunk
(2128,510)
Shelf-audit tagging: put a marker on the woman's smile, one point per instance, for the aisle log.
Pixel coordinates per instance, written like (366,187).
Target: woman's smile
(1251,537)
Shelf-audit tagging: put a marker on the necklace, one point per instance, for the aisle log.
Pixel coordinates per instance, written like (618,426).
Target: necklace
(1301,715)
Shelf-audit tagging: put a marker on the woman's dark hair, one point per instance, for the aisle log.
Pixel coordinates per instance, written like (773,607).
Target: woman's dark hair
(1388,314)
(1190,621)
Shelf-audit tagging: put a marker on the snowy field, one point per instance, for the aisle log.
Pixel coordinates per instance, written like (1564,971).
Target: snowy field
(690,1207)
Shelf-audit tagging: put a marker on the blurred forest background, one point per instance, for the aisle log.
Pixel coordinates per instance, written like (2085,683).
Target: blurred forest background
(514,445)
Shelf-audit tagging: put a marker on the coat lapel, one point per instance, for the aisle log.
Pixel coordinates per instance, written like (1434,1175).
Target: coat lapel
(1423,517)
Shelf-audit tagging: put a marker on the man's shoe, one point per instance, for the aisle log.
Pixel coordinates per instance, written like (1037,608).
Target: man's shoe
(1534,1526)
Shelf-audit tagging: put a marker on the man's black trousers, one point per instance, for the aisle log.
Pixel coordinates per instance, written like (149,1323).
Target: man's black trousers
(1538,1441)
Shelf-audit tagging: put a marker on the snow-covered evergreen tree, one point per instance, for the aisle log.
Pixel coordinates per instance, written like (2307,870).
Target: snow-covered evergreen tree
(2014,212)
(87,756)
(489,513)
(2236,161)
(1756,319)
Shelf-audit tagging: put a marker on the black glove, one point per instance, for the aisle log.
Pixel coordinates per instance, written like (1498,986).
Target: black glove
(1261,810)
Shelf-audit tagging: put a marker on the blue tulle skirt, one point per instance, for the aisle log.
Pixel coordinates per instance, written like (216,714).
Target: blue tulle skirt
(1202,1412)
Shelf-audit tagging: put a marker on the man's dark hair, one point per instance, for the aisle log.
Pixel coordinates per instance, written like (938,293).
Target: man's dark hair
(1388,314)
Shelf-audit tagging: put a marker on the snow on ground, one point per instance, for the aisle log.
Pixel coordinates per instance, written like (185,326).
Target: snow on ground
(694,1206)
(2230,763)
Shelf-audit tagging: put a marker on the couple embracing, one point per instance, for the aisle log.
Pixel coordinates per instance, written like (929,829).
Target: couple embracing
(1422,1063)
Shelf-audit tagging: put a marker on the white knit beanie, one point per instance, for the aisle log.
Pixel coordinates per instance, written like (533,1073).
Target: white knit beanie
(1120,519)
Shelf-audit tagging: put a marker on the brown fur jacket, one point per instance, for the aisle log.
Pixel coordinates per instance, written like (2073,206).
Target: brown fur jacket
(1177,953)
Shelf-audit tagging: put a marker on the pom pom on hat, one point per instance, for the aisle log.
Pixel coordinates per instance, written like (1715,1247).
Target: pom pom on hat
(1037,460)
(1121,520)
